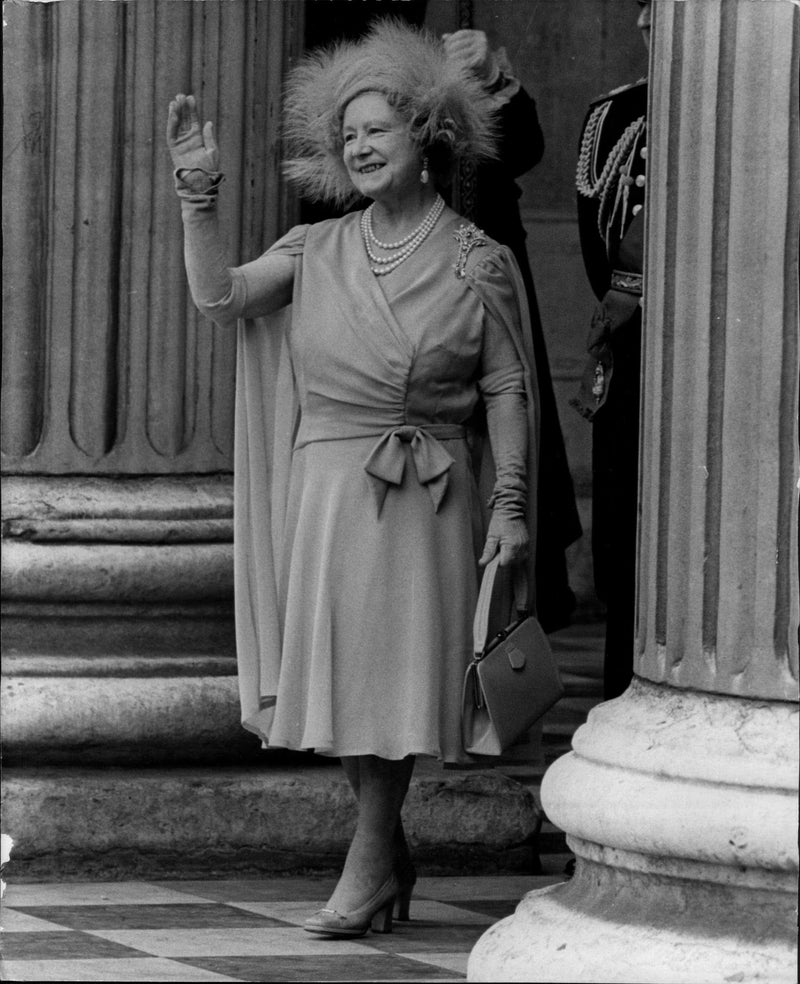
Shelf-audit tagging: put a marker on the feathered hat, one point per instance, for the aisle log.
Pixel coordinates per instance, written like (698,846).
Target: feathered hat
(451,116)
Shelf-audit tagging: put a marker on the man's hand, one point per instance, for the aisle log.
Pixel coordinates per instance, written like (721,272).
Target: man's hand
(471,49)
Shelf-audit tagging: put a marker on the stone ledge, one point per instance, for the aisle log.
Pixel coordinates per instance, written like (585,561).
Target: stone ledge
(35,504)
(109,823)
(124,721)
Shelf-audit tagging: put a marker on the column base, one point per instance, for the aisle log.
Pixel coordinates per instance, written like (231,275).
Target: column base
(117,618)
(120,711)
(681,809)
(612,924)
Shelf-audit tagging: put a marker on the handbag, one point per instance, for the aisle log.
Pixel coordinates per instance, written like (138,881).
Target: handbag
(513,679)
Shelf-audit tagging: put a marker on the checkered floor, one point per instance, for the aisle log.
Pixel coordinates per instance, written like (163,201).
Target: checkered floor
(247,930)
(250,929)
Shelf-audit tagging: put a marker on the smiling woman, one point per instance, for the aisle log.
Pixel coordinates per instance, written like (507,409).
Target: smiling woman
(385,165)
(381,159)
(359,523)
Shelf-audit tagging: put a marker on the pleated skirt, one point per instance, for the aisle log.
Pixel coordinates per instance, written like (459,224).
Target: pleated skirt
(377,608)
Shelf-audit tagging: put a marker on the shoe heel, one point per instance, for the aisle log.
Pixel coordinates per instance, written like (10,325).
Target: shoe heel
(403,903)
(382,920)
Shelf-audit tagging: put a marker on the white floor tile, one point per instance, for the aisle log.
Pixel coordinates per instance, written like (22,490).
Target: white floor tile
(95,893)
(422,911)
(457,962)
(12,921)
(230,942)
(145,969)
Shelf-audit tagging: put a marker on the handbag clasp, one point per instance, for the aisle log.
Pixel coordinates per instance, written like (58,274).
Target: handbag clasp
(516,658)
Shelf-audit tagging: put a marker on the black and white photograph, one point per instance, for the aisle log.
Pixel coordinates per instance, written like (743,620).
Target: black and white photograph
(400,491)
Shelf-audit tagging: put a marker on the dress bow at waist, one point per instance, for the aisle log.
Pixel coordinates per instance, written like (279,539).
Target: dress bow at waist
(387,460)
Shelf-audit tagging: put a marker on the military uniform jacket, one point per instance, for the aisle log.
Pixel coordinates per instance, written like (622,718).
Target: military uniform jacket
(610,182)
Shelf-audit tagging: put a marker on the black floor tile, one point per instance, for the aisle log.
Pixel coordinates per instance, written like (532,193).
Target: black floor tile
(170,916)
(493,909)
(265,888)
(421,936)
(66,945)
(324,968)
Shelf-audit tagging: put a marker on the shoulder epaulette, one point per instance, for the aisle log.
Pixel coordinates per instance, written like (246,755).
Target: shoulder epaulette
(620,90)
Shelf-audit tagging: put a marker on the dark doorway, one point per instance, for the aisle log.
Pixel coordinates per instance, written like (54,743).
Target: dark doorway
(332,20)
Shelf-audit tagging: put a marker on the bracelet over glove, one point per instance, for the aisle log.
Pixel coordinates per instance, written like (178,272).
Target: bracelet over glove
(196,184)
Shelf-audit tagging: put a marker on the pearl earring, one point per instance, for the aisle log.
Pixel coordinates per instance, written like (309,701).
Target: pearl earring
(425,175)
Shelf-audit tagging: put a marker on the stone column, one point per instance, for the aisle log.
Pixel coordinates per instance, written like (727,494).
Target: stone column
(117,398)
(679,798)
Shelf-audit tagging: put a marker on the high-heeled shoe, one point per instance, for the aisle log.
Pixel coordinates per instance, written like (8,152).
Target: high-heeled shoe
(376,914)
(406,875)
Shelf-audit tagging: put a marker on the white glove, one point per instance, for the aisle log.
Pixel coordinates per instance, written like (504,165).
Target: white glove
(194,151)
(471,49)
(506,420)
(509,535)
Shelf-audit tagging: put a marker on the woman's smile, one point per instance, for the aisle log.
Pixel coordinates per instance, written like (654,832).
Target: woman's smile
(381,158)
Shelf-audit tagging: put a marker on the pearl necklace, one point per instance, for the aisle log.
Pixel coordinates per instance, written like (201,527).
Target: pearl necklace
(382,265)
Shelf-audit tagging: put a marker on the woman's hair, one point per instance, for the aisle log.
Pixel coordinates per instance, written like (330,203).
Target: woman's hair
(451,117)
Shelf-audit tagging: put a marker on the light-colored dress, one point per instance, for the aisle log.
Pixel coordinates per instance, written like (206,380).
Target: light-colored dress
(356,549)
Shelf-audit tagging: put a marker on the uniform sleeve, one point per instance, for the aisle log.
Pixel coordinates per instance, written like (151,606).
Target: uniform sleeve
(593,249)
(521,141)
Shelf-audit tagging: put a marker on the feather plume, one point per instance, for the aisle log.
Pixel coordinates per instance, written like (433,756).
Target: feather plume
(450,114)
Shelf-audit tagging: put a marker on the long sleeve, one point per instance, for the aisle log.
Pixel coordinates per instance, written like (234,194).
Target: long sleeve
(496,199)
(495,278)
(216,290)
(503,389)
(224,293)
(521,138)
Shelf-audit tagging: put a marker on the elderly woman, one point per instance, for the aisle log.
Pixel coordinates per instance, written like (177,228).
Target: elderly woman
(365,345)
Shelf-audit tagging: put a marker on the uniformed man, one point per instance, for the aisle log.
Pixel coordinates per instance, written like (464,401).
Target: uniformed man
(611,190)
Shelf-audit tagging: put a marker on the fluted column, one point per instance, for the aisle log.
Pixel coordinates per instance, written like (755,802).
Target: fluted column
(718,598)
(107,367)
(679,798)
(117,397)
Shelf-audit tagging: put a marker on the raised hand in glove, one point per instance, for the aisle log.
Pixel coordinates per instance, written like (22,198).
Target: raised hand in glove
(194,151)
(471,49)
(509,534)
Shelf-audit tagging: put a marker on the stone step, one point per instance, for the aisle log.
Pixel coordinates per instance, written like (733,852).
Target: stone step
(288,812)
(71,823)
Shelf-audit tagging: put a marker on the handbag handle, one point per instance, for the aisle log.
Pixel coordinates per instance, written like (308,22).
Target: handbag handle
(480,624)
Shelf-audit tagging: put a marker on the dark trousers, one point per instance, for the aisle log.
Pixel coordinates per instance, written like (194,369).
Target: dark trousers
(615,487)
